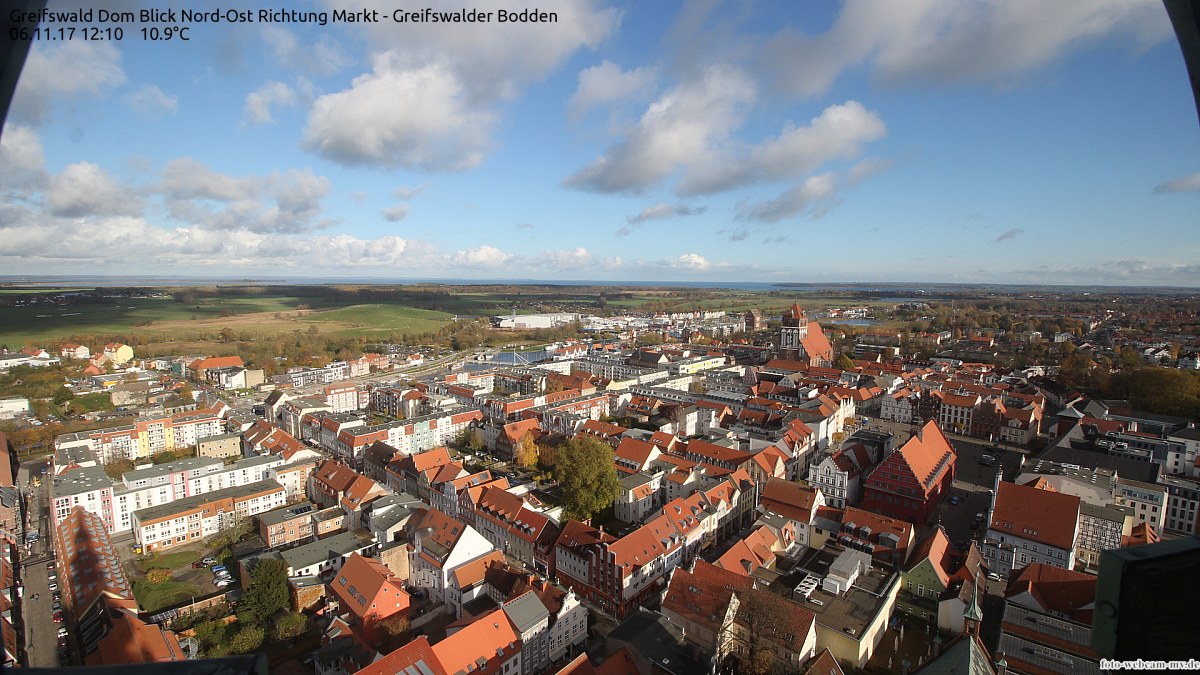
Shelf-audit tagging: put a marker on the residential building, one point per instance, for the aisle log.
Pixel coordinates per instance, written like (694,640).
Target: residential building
(220,446)
(193,518)
(86,562)
(935,570)
(1027,525)
(287,525)
(324,557)
(368,593)
(439,545)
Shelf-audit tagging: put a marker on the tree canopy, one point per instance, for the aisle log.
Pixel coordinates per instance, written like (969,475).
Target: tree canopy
(526,452)
(588,477)
(267,594)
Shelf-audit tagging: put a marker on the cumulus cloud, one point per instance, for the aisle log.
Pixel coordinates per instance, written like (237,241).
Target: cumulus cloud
(839,132)
(406,192)
(1010,234)
(1185,184)
(814,197)
(607,83)
(288,201)
(400,116)
(22,158)
(68,68)
(84,189)
(946,41)
(394,214)
(690,261)
(151,102)
(671,134)
(485,257)
(664,211)
(259,102)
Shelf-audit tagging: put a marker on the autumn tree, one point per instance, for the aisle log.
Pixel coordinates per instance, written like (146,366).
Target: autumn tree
(526,452)
(588,477)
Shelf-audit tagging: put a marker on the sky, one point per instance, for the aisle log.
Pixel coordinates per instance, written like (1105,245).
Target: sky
(999,141)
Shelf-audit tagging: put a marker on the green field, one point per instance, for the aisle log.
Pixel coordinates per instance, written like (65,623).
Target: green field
(378,319)
(153,597)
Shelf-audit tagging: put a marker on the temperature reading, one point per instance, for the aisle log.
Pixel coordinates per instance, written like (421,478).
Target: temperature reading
(167,33)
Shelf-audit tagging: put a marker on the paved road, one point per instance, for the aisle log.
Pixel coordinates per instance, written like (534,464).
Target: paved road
(41,633)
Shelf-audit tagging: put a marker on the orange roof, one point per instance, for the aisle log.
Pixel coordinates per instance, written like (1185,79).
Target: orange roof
(789,499)
(215,362)
(636,451)
(823,664)
(1038,515)
(369,589)
(337,476)
(131,640)
(747,555)
(935,548)
(1056,589)
(924,452)
(471,573)
(515,431)
(701,598)
(417,655)
(491,638)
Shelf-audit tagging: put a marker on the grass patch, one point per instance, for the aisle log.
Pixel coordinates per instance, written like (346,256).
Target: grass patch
(90,403)
(170,561)
(154,597)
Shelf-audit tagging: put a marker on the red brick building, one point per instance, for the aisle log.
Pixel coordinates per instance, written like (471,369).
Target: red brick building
(910,482)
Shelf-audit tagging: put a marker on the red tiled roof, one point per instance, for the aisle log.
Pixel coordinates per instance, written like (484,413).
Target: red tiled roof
(415,654)
(369,589)
(1038,515)
(1056,589)
(491,638)
(789,499)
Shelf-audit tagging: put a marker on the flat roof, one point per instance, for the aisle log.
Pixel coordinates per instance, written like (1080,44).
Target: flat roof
(286,513)
(319,551)
(79,481)
(849,613)
(169,468)
(155,513)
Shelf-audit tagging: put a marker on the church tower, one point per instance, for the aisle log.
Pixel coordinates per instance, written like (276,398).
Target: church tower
(793,332)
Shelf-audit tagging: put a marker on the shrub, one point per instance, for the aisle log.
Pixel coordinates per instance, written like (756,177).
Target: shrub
(158,575)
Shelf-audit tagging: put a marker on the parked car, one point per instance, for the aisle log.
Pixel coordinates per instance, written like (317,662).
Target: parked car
(53,586)
(222,583)
(987,460)
(955,500)
(62,631)
(993,576)
(218,568)
(198,565)
(57,606)
(58,617)
(208,560)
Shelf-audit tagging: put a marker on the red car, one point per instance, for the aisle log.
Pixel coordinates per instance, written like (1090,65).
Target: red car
(58,616)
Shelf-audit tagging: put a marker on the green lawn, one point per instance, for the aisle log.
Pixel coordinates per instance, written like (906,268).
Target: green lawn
(91,403)
(153,597)
(171,561)
(378,318)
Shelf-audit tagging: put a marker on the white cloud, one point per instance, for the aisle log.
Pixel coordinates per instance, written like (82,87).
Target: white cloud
(84,189)
(664,211)
(288,201)
(22,158)
(948,41)
(400,116)
(151,102)
(259,102)
(607,83)
(495,60)
(574,260)
(672,134)
(323,57)
(839,132)
(1185,184)
(813,197)
(690,261)
(68,68)
(394,214)
(486,257)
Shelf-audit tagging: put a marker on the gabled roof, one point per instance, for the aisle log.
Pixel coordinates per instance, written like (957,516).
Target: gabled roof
(700,600)
(335,475)
(368,588)
(490,640)
(1056,590)
(1037,515)
(790,499)
(415,657)
(471,573)
(749,554)
(717,453)
(927,454)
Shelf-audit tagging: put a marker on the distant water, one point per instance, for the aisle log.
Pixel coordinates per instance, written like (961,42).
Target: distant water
(904,291)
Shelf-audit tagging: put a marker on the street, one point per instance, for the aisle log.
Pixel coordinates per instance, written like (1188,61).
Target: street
(41,633)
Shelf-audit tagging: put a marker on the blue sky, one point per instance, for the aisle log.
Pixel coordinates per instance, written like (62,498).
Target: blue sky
(924,140)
